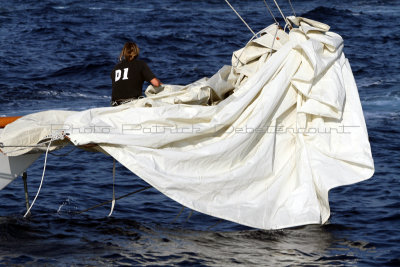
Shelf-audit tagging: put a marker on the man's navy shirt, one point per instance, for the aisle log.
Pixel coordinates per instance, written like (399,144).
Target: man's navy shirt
(128,78)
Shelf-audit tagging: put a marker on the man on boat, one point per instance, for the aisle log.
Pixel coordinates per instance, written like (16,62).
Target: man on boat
(129,75)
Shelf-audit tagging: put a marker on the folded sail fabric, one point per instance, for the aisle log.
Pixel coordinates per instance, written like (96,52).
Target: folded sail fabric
(260,143)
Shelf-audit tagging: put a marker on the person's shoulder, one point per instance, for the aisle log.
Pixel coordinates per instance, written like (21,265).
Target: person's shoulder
(119,64)
(139,62)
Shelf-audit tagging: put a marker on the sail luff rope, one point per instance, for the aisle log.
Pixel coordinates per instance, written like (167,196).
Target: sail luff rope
(270,12)
(240,17)
(294,13)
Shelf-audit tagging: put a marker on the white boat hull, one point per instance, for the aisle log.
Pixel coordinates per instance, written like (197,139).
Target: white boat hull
(12,167)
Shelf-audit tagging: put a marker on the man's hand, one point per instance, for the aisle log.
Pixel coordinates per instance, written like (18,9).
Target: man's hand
(155,82)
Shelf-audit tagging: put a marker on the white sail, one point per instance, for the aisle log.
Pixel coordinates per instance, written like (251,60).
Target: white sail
(260,143)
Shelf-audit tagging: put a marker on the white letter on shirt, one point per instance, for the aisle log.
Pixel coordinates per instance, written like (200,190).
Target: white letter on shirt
(125,74)
(117,75)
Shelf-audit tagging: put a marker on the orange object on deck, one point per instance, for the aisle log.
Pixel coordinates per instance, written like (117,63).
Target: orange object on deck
(7,120)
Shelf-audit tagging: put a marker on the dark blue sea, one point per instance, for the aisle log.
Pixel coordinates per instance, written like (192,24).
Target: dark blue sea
(58,54)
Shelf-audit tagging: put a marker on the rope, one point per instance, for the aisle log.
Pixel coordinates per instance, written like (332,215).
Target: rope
(38,145)
(270,12)
(294,13)
(241,53)
(251,39)
(284,29)
(41,182)
(256,34)
(113,199)
(273,42)
(283,16)
(190,215)
(179,214)
(240,17)
(108,201)
(215,224)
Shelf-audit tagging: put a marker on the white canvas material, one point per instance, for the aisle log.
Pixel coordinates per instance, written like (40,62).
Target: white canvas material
(260,143)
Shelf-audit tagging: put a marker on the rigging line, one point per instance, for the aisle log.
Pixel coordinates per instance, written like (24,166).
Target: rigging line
(294,13)
(240,17)
(283,16)
(108,201)
(1,146)
(113,198)
(41,181)
(215,224)
(190,215)
(241,53)
(179,214)
(273,42)
(251,39)
(270,12)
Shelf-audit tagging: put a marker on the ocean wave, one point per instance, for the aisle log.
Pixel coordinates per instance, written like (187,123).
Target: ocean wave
(54,93)
(321,13)
(370,115)
(58,54)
